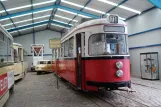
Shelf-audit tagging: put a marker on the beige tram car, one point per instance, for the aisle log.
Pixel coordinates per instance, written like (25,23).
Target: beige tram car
(19,65)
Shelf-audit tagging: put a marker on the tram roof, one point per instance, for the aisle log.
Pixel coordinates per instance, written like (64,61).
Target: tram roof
(93,22)
(17,44)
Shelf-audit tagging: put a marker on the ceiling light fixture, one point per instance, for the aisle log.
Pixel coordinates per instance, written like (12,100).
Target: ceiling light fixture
(26,14)
(62,22)
(73,13)
(81,6)
(121,6)
(87,8)
(65,18)
(60,26)
(29,28)
(26,6)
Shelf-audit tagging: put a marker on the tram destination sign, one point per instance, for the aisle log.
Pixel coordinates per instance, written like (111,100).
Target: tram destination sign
(54,43)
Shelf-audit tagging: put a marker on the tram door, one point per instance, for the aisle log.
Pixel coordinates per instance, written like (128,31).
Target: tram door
(80,53)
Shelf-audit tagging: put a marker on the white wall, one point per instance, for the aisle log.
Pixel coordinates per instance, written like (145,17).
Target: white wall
(41,37)
(144,22)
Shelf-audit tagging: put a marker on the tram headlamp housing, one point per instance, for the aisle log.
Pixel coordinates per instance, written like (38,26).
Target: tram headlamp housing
(119,65)
(119,73)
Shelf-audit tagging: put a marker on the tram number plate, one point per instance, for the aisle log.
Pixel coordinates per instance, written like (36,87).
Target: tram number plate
(3,84)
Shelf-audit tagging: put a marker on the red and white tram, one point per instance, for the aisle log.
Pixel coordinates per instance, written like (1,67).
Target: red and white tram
(95,55)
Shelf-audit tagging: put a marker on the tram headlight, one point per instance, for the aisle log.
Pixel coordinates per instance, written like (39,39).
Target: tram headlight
(119,73)
(119,65)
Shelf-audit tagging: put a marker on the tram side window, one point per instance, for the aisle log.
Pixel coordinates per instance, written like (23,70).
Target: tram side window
(3,50)
(53,53)
(1,36)
(71,44)
(10,51)
(62,50)
(66,48)
(16,59)
(20,53)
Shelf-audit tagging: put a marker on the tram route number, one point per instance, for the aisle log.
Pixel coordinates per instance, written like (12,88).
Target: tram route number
(3,84)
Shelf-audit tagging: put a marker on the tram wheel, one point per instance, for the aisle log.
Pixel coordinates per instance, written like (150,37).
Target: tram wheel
(38,73)
(11,90)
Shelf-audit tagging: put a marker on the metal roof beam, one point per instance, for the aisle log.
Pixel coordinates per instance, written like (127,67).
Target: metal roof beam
(37,24)
(33,22)
(157,3)
(115,7)
(49,7)
(9,17)
(53,12)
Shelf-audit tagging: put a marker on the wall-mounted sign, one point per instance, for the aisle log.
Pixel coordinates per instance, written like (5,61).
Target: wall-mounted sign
(55,43)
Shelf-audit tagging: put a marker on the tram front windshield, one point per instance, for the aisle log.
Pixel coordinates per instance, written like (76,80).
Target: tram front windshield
(107,44)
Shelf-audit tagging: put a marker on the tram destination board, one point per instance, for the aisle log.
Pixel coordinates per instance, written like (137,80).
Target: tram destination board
(55,43)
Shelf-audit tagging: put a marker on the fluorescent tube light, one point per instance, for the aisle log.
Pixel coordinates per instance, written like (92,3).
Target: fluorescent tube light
(26,6)
(83,16)
(25,14)
(72,13)
(60,26)
(62,22)
(21,15)
(42,11)
(81,6)
(67,11)
(73,4)
(28,28)
(13,32)
(42,3)
(65,18)
(123,7)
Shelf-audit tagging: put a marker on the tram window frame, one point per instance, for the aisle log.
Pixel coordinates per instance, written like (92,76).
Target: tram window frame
(62,50)
(69,48)
(4,57)
(1,36)
(16,60)
(66,46)
(53,53)
(7,48)
(104,40)
(9,51)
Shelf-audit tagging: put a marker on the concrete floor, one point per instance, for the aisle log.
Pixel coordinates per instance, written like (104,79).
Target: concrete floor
(40,91)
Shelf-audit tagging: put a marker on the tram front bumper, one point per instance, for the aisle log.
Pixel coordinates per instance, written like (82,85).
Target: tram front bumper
(110,84)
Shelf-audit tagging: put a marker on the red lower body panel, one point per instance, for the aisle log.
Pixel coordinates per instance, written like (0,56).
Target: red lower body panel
(95,71)
(67,70)
(105,70)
